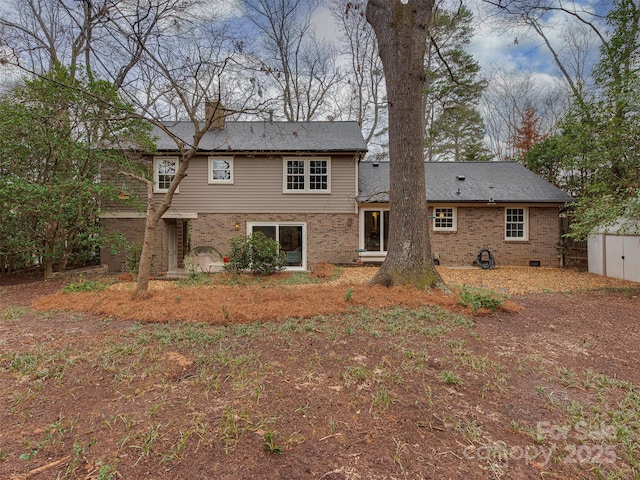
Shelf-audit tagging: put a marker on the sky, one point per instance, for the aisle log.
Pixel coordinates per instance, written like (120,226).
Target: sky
(494,45)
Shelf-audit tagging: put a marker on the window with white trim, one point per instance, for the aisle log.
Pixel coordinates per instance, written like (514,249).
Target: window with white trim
(307,175)
(516,224)
(220,169)
(164,171)
(444,219)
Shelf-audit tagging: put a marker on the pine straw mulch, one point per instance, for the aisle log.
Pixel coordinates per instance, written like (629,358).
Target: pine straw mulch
(219,304)
(226,304)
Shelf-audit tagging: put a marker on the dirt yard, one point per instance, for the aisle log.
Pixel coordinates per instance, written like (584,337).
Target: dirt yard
(228,381)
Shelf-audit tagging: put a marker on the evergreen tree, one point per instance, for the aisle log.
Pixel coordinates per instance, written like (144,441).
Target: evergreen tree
(454,129)
(57,137)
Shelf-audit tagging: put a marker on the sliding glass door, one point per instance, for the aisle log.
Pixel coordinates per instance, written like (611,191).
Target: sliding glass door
(290,236)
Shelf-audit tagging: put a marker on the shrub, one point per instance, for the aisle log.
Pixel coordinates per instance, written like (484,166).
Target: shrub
(133,258)
(480,298)
(255,253)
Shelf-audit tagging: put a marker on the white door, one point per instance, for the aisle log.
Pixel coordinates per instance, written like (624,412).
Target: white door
(290,236)
(631,253)
(613,256)
(622,257)
(171,247)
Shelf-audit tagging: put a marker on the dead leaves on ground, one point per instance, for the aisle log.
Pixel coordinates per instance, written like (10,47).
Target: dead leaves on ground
(223,304)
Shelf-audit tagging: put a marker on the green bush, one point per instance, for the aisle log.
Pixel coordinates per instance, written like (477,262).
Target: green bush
(480,298)
(133,258)
(255,253)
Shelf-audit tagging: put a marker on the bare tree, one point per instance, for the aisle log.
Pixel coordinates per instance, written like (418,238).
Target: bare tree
(364,79)
(167,63)
(505,100)
(401,30)
(180,76)
(302,68)
(580,37)
(87,33)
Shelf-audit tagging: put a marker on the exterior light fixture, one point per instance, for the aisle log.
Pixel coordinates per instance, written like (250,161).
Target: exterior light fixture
(237,226)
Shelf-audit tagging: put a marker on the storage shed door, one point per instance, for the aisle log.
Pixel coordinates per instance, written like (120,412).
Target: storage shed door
(622,257)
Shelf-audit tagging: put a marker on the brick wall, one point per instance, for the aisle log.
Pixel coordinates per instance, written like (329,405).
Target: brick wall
(132,229)
(331,238)
(483,227)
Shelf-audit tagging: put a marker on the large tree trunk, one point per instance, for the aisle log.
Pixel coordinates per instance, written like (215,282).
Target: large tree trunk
(401,30)
(146,255)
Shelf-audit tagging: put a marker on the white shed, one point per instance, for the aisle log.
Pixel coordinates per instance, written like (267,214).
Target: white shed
(614,251)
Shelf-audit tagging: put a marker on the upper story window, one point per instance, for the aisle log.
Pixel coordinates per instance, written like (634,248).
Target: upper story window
(516,224)
(307,175)
(444,219)
(220,170)
(164,171)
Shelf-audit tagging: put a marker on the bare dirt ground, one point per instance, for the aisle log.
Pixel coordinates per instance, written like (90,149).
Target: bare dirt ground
(223,381)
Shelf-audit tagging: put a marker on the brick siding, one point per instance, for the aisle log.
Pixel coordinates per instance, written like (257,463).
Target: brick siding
(331,238)
(483,227)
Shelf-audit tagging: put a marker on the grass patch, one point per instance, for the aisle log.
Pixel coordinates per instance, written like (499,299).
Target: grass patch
(12,314)
(86,285)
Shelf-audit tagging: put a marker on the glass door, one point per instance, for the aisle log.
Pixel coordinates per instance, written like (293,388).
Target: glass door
(291,238)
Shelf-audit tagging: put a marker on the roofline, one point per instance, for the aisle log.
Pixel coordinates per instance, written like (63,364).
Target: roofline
(483,202)
(256,152)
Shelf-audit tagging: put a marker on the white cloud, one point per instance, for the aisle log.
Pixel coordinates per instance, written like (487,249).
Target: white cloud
(501,41)
(326,26)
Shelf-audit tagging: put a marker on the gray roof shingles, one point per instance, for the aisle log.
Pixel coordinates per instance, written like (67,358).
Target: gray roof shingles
(269,137)
(504,182)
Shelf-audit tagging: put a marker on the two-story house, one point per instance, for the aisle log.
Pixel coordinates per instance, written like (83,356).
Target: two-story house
(306,185)
(295,182)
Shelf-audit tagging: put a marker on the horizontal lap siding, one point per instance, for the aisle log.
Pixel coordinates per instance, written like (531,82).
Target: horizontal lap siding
(257,188)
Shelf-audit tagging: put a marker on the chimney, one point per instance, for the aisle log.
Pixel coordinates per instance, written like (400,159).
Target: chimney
(215,111)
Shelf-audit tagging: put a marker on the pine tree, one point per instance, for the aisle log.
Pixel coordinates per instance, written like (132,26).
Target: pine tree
(454,129)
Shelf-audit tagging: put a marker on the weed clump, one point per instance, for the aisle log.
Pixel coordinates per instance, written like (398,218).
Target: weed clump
(85,285)
(478,298)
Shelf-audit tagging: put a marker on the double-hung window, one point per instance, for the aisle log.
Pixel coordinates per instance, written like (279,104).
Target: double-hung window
(220,170)
(164,171)
(307,175)
(516,224)
(444,219)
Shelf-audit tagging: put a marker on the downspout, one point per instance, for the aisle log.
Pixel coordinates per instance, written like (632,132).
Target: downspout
(357,157)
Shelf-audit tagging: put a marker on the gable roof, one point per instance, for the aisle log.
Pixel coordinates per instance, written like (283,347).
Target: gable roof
(464,182)
(269,137)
